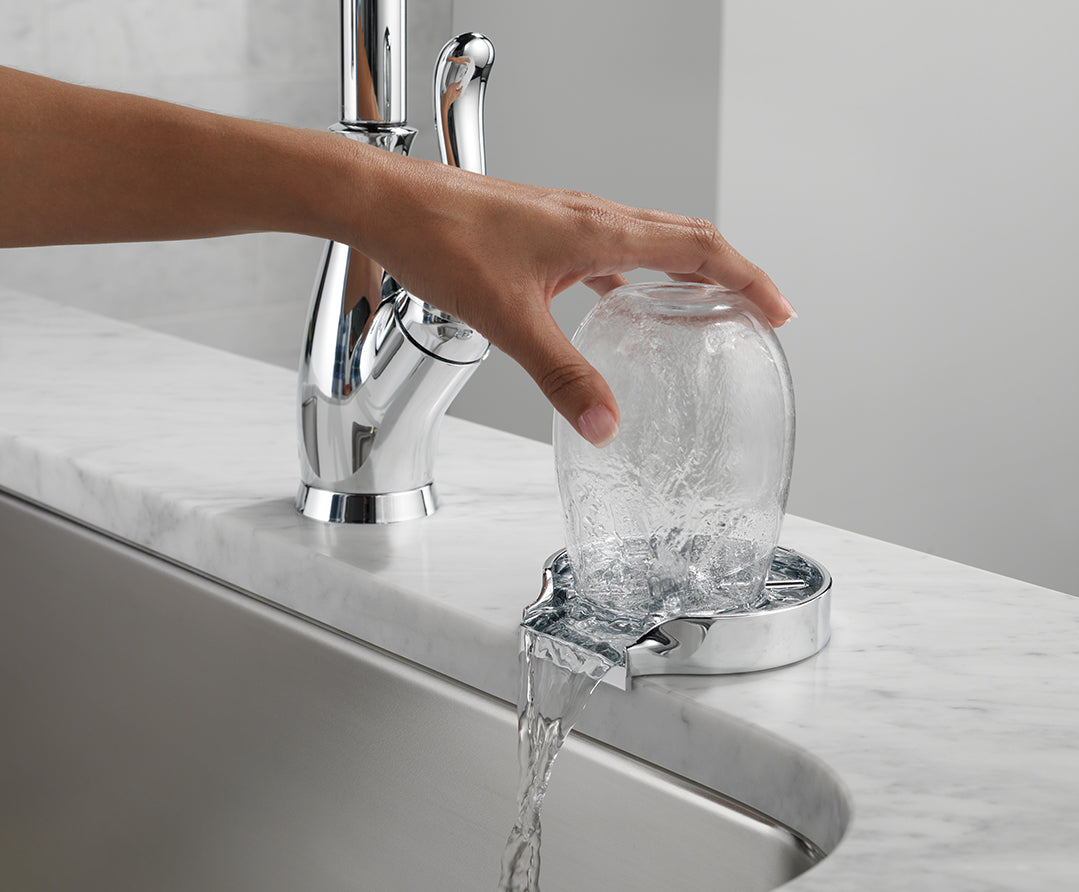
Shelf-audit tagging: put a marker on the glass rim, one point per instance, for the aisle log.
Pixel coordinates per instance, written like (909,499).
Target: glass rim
(684,298)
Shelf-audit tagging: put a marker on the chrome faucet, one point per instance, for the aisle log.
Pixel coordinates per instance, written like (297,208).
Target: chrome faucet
(380,366)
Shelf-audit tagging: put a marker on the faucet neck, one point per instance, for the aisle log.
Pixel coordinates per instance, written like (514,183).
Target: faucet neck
(373,62)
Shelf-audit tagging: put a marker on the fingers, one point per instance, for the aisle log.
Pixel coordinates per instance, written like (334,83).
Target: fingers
(696,251)
(602,284)
(688,249)
(576,390)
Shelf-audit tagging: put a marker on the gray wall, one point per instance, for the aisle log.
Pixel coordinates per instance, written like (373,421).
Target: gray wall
(905,171)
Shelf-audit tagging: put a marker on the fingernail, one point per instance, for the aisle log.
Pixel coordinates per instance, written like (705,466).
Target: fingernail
(598,426)
(790,308)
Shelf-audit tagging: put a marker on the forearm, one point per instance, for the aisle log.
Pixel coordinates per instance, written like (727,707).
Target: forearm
(80,165)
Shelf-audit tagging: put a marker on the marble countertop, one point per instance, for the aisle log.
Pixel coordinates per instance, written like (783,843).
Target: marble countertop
(945,705)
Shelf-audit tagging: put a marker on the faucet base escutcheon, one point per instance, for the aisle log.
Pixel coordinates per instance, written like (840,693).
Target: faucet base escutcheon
(345,507)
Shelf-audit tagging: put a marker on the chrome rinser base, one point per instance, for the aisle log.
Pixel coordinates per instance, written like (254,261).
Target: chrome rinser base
(387,507)
(793,623)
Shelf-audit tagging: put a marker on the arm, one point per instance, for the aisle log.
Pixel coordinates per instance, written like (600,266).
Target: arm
(80,165)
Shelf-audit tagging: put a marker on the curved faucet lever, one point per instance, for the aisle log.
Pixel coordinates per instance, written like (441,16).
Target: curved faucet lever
(460,83)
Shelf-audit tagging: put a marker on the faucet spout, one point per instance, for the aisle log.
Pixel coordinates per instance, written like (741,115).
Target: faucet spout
(372,62)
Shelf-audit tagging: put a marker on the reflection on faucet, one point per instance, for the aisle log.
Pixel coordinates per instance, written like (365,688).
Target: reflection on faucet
(458,72)
(380,367)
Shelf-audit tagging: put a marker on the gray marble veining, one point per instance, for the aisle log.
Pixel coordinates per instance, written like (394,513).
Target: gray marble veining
(945,704)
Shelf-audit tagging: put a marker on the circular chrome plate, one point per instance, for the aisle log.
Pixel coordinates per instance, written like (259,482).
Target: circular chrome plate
(387,507)
(791,623)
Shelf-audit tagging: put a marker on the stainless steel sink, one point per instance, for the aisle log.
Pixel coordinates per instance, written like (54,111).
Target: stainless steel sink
(164,732)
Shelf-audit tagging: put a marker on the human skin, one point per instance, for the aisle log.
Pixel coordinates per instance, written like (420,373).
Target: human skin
(81,165)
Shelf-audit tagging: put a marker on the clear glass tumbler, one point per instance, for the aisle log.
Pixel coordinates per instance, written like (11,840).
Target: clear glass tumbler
(681,514)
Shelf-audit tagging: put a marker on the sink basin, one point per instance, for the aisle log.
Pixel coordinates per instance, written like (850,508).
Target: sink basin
(166,732)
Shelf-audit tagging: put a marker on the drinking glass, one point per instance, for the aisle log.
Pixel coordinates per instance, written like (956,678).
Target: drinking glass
(681,513)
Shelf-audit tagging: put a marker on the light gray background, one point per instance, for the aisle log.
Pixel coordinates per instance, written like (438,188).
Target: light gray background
(905,171)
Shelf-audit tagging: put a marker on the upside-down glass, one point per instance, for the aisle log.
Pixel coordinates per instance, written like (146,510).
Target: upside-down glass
(681,514)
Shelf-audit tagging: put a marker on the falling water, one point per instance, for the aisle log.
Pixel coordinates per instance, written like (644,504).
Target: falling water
(556,680)
(567,648)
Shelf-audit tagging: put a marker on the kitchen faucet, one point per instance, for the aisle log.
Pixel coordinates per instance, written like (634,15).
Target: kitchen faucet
(380,366)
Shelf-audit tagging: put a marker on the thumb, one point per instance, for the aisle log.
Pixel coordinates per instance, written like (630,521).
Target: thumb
(576,390)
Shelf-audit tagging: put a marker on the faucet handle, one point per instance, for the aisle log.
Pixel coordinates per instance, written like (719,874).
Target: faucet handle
(460,82)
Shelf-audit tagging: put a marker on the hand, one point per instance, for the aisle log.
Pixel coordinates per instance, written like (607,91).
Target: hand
(495,254)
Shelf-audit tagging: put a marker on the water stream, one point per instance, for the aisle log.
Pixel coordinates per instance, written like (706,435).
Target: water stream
(557,678)
(568,645)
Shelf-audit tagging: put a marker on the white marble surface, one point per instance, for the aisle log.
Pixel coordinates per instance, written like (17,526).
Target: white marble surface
(940,722)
